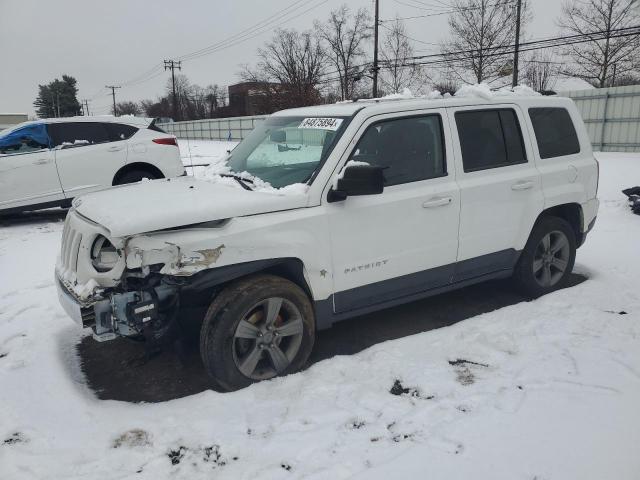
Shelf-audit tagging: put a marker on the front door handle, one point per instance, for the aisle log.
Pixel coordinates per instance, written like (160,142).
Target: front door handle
(525,185)
(41,161)
(437,202)
(115,148)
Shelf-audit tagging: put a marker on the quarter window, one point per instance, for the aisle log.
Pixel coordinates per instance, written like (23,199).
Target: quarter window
(555,133)
(411,149)
(78,133)
(490,139)
(119,131)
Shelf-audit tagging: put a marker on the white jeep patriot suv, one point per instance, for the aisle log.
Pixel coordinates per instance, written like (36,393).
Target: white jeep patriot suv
(328,212)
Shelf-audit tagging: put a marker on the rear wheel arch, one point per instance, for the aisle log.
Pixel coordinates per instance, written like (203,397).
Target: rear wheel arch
(572,214)
(137,166)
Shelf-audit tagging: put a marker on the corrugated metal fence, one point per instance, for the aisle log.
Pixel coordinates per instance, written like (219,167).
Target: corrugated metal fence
(232,128)
(611,115)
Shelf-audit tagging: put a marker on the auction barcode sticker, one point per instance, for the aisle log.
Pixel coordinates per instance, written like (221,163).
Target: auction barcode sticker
(323,123)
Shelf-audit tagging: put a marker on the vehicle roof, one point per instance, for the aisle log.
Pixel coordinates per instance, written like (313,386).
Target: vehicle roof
(140,122)
(382,105)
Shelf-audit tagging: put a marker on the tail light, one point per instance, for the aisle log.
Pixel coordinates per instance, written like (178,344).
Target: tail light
(166,141)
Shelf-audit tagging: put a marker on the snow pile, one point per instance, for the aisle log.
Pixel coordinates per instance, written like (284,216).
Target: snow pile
(482,90)
(407,94)
(547,389)
(75,143)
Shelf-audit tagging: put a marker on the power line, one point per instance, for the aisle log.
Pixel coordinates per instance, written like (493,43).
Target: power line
(274,21)
(504,50)
(448,12)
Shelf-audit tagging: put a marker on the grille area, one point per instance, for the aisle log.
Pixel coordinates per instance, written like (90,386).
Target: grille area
(70,246)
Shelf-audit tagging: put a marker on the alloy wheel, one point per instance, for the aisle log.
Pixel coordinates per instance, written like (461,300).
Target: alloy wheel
(267,338)
(551,259)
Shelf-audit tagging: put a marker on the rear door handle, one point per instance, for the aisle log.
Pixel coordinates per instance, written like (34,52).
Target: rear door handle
(115,148)
(525,185)
(437,202)
(41,161)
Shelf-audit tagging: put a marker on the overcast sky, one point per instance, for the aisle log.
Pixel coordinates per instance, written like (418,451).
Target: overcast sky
(113,42)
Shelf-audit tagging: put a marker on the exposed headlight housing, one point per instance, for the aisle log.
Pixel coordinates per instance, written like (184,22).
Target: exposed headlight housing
(104,256)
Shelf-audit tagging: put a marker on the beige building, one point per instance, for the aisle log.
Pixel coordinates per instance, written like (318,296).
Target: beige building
(10,119)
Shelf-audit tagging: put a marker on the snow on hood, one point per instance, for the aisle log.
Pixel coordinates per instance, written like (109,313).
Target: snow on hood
(161,204)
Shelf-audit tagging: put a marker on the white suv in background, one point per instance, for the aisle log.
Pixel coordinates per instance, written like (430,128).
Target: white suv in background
(377,203)
(47,163)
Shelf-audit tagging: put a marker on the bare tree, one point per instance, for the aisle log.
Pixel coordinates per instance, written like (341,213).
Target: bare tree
(128,108)
(290,69)
(398,70)
(482,38)
(345,36)
(601,61)
(541,72)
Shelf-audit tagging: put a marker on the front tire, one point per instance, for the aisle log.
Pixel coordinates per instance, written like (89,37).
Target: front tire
(547,259)
(257,328)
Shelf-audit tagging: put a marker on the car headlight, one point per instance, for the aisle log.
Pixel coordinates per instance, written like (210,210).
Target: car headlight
(104,255)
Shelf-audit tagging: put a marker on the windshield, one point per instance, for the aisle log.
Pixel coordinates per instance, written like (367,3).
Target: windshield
(286,150)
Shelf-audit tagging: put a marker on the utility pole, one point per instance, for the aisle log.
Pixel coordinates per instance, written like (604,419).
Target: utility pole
(85,106)
(375,51)
(517,49)
(113,94)
(172,65)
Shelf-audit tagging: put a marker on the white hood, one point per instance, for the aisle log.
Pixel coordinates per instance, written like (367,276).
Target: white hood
(161,204)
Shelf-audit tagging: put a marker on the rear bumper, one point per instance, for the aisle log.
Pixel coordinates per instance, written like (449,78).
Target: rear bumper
(589,215)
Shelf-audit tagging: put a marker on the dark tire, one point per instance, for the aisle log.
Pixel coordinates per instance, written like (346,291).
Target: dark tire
(133,176)
(257,328)
(547,259)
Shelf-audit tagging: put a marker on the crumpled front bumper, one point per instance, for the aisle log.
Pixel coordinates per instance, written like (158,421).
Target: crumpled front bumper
(95,314)
(116,314)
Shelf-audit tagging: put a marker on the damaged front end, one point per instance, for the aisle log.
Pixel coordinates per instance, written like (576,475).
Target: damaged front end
(124,287)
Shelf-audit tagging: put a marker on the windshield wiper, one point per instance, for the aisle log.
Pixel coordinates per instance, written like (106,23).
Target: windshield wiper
(240,180)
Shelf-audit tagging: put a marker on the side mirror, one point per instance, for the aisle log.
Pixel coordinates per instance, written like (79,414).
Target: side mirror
(357,180)
(278,136)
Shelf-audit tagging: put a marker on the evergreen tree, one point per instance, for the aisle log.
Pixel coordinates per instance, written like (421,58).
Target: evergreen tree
(58,98)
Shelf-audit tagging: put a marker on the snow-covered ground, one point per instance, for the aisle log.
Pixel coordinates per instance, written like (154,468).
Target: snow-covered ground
(547,389)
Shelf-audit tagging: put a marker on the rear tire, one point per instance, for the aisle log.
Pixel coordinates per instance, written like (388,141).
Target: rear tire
(547,259)
(258,328)
(133,176)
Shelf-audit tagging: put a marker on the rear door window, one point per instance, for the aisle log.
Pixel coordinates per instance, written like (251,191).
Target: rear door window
(75,134)
(119,131)
(555,134)
(490,139)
